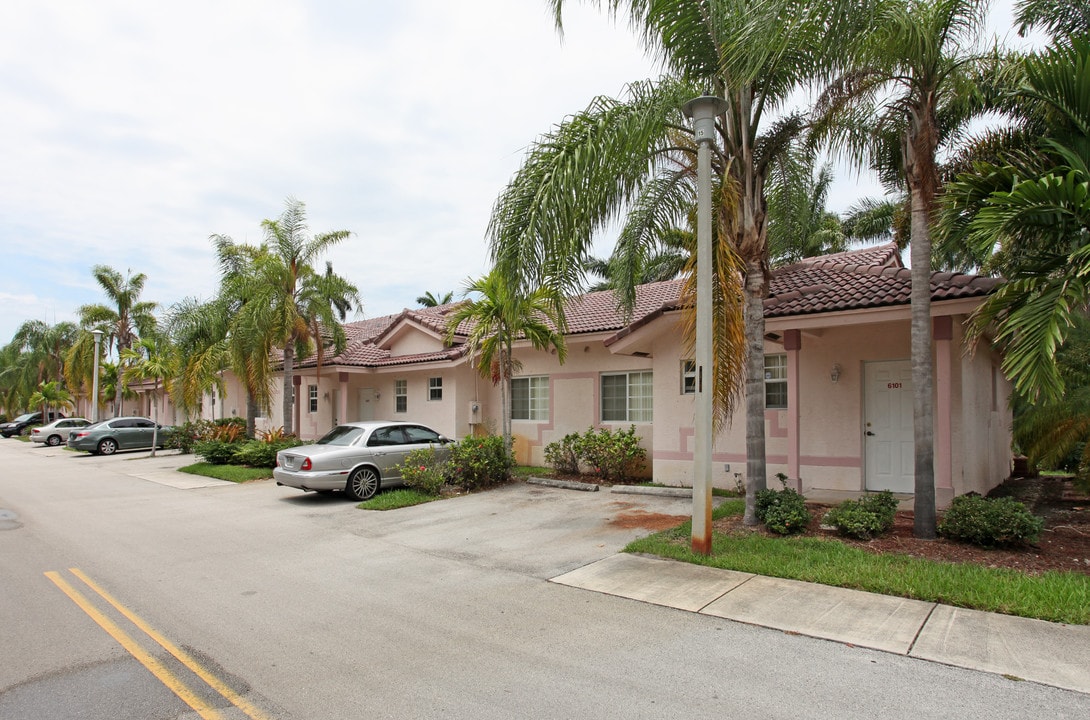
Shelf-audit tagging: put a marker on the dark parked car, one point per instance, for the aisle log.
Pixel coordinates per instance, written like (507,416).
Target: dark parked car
(122,433)
(22,424)
(358,457)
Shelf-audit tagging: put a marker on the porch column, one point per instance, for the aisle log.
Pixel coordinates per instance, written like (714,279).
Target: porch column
(792,343)
(297,383)
(342,399)
(944,335)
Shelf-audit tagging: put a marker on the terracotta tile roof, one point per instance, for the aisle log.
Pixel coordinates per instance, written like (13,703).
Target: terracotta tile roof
(598,311)
(867,278)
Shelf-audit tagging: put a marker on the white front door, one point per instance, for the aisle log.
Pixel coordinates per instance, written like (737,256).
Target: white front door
(887,424)
(367,404)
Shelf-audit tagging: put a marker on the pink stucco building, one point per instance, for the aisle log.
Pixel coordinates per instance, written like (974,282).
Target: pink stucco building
(838,381)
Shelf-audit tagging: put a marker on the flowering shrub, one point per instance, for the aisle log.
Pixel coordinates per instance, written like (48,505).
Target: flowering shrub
(424,471)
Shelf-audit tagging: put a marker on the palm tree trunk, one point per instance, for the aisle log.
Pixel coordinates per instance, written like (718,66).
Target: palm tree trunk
(756,466)
(923,409)
(505,398)
(918,150)
(251,415)
(289,362)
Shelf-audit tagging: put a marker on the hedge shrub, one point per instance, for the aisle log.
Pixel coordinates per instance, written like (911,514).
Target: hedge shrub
(610,454)
(865,518)
(990,522)
(782,511)
(479,461)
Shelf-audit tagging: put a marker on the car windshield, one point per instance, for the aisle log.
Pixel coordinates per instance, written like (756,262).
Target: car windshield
(341,435)
(24,418)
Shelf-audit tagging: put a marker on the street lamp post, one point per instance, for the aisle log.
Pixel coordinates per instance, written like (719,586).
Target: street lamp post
(702,111)
(94,381)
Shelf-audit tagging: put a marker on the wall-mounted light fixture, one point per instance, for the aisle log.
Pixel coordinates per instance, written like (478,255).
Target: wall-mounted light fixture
(835,374)
(325,396)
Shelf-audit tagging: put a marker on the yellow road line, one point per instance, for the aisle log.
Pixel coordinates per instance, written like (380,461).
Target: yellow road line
(182,656)
(156,668)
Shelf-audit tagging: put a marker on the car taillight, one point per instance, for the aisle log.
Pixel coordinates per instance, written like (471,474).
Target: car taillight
(82,434)
(306,464)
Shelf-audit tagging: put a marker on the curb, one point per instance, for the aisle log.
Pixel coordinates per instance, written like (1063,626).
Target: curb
(565,484)
(678,492)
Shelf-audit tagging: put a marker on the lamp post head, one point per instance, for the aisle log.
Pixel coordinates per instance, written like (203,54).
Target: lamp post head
(98,335)
(702,111)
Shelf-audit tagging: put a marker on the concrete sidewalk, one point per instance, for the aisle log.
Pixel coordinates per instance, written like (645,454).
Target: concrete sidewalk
(1043,652)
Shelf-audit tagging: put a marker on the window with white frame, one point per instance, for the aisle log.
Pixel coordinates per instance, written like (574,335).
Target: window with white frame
(312,391)
(435,388)
(627,397)
(401,396)
(776,382)
(530,398)
(688,377)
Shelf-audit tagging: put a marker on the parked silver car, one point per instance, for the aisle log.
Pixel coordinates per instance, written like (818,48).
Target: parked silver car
(56,432)
(358,458)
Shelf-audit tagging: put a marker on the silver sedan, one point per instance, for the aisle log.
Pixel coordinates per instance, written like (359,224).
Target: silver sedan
(358,458)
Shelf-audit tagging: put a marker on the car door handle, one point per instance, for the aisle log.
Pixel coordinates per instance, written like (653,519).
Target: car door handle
(869,432)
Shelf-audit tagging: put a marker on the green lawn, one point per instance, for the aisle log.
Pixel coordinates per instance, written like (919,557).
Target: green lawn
(399,498)
(233,473)
(1053,596)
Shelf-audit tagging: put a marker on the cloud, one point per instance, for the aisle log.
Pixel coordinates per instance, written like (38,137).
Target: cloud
(132,132)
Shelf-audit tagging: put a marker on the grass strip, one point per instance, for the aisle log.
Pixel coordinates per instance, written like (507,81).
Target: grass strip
(1054,596)
(399,498)
(232,473)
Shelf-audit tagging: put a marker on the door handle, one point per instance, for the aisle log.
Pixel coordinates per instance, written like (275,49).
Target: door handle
(869,433)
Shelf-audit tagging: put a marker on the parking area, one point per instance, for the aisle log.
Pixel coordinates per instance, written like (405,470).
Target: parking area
(530,529)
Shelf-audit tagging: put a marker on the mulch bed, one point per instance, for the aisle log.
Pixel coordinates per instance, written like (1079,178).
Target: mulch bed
(1064,544)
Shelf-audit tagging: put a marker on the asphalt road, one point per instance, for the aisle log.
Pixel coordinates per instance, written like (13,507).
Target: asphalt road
(284,605)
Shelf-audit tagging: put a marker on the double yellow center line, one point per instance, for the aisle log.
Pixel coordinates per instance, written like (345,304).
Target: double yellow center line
(173,683)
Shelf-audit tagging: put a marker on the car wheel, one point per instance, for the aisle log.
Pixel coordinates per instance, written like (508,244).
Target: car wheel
(107,446)
(53,440)
(362,484)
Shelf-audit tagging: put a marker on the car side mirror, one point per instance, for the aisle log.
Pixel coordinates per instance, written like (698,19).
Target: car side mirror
(443,439)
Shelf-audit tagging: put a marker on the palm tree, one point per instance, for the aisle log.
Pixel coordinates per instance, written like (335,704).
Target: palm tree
(284,301)
(497,319)
(151,359)
(909,85)
(51,395)
(666,261)
(126,317)
(38,354)
(1050,432)
(636,158)
(428,300)
(1030,219)
(799,226)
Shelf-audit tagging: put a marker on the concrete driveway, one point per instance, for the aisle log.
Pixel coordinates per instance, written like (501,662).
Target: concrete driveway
(528,529)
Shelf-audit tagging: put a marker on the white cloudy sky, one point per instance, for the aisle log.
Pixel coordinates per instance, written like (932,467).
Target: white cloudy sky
(131,131)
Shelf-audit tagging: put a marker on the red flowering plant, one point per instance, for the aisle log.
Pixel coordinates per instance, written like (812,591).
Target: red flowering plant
(425,472)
